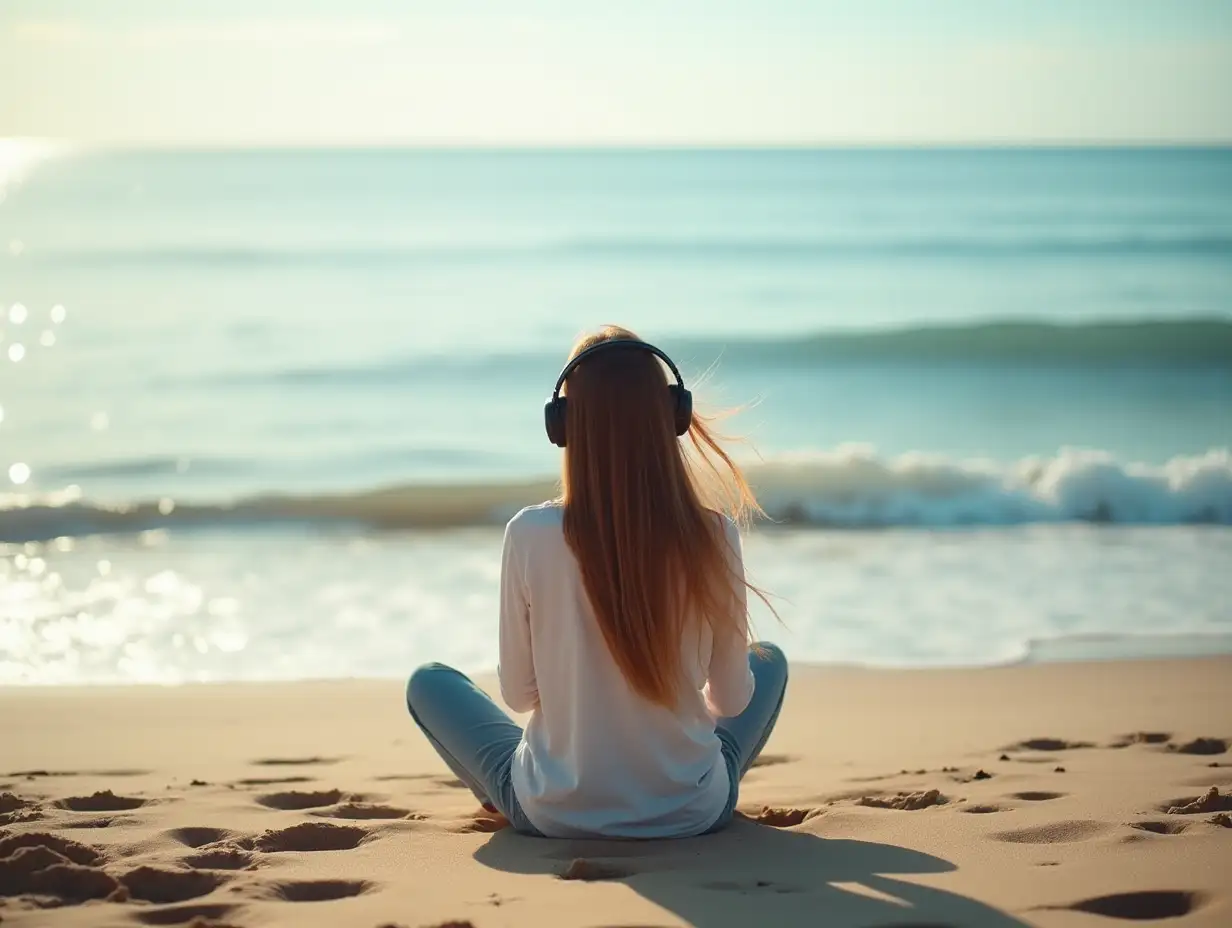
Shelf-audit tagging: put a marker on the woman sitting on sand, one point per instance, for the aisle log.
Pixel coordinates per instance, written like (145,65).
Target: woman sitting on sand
(623,624)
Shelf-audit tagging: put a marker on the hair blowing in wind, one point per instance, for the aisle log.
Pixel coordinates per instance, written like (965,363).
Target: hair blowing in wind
(641,515)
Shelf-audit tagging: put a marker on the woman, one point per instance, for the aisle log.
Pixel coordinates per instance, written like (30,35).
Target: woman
(623,624)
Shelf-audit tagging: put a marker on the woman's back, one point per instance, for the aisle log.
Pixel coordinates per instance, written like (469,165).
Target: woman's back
(597,757)
(624,622)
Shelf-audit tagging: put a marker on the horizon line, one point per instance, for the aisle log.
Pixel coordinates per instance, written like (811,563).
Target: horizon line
(445,147)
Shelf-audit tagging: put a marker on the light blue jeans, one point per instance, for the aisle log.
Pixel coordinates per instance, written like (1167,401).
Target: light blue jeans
(477,740)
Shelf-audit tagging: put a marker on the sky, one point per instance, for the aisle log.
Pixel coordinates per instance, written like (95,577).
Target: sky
(237,73)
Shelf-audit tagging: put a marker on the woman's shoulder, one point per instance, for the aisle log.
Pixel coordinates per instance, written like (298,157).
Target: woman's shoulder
(545,513)
(730,528)
(535,528)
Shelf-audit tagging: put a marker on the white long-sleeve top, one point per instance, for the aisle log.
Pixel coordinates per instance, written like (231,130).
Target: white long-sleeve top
(597,759)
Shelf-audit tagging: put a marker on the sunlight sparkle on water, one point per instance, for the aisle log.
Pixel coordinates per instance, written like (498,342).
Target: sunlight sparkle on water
(57,314)
(18,314)
(47,338)
(17,351)
(19,156)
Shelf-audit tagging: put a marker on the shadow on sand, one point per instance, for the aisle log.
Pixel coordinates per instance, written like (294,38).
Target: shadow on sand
(750,874)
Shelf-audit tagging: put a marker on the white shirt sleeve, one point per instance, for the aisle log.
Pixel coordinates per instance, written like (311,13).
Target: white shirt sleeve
(516,669)
(729,686)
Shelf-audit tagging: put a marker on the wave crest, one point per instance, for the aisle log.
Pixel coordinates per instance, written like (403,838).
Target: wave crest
(851,487)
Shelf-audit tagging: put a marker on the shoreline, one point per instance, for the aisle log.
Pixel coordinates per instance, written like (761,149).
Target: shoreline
(315,804)
(1068,650)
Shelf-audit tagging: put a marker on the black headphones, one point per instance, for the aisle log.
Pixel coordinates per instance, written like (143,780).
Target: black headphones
(554,409)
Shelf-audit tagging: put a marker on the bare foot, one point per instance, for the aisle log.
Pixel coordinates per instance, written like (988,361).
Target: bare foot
(487,822)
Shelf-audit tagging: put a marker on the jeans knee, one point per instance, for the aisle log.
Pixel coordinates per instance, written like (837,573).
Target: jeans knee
(769,652)
(420,683)
(773,657)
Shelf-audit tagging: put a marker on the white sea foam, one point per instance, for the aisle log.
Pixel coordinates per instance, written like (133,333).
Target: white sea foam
(850,487)
(853,486)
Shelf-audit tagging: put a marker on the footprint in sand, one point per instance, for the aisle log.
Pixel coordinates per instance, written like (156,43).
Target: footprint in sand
(1048,744)
(1147,905)
(1204,746)
(22,817)
(293,800)
(222,858)
(295,761)
(1160,828)
(39,774)
(985,809)
(1142,737)
(320,890)
(363,810)
(15,809)
(198,914)
(41,872)
(72,851)
(272,781)
(405,776)
(50,866)
(10,802)
(1054,833)
(199,837)
(152,884)
(312,836)
(1037,796)
(105,801)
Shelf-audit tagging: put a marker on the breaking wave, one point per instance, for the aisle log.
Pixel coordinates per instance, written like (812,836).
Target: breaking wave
(851,487)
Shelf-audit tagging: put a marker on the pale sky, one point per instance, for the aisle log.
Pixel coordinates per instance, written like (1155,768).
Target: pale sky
(619,72)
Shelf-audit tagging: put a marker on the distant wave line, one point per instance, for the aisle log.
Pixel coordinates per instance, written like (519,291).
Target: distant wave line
(681,248)
(1182,341)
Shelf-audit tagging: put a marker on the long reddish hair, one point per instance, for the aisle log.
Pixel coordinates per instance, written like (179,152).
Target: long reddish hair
(640,514)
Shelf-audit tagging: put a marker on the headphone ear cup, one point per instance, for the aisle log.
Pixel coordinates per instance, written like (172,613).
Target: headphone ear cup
(554,420)
(682,407)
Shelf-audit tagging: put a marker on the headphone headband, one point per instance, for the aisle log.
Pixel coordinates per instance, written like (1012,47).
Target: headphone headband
(615,343)
(554,416)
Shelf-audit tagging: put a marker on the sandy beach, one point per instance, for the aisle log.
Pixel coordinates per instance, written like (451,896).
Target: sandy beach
(1024,795)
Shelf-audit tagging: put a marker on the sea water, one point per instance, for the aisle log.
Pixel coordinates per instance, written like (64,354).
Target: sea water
(262,414)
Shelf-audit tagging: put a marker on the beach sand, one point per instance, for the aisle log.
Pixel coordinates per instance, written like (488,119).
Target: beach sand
(1035,794)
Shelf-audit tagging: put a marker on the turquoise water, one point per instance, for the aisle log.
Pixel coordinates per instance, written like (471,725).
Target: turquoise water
(184,334)
(324,320)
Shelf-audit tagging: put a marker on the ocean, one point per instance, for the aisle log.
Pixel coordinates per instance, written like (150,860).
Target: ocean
(264,413)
